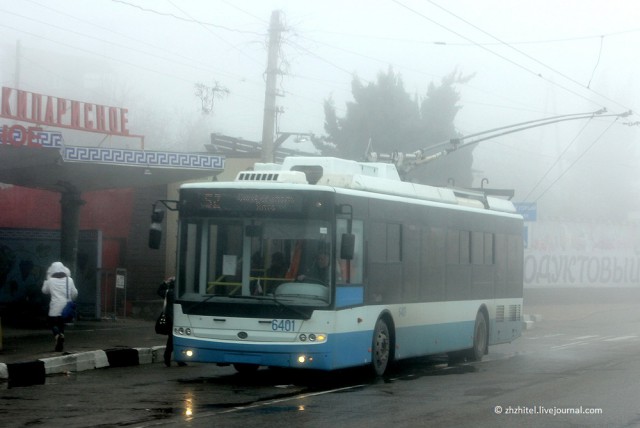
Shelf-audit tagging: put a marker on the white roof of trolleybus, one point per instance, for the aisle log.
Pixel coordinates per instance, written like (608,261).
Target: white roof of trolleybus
(372,177)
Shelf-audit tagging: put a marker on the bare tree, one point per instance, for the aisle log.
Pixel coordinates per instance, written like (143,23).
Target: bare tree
(208,94)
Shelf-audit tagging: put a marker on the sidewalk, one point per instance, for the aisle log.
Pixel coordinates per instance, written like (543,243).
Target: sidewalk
(89,344)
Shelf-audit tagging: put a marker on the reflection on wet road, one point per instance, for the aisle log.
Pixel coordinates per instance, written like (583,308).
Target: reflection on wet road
(281,390)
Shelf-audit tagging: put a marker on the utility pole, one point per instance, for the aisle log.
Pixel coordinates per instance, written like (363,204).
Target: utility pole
(268,121)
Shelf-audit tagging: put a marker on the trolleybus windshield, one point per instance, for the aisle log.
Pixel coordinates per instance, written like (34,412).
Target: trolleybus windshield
(289,260)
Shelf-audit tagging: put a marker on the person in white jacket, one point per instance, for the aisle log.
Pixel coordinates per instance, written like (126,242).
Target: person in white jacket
(57,283)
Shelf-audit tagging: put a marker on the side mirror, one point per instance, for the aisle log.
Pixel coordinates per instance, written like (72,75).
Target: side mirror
(155,231)
(347,246)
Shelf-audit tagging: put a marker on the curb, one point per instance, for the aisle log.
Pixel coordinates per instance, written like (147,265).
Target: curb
(34,372)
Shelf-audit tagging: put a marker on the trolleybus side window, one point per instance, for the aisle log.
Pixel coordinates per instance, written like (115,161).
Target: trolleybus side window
(488,249)
(433,263)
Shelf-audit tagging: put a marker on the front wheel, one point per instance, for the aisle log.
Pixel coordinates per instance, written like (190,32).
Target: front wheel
(381,348)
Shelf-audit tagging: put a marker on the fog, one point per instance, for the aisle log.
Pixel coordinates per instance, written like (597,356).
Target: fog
(530,60)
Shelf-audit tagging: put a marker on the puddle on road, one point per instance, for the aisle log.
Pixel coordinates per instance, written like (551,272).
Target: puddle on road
(272,388)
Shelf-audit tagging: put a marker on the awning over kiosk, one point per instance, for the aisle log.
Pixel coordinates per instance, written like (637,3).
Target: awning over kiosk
(42,161)
(51,165)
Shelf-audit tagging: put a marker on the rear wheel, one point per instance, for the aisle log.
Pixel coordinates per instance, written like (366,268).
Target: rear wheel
(480,339)
(381,347)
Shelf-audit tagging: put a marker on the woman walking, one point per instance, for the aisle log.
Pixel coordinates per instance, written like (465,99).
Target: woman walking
(61,287)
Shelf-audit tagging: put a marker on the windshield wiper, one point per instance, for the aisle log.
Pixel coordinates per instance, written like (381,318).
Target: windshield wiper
(196,304)
(303,296)
(304,315)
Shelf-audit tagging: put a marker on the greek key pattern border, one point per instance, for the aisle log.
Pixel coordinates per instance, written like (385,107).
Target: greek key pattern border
(45,138)
(142,158)
(126,156)
(50,139)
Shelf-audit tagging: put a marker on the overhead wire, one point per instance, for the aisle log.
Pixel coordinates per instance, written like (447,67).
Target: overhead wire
(203,67)
(195,21)
(576,160)
(597,62)
(449,43)
(125,36)
(404,68)
(121,46)
(533,59)
(202,23)
(108,42)
(557,160)
(207,29)
(94,53)
(509,60)
(189,18)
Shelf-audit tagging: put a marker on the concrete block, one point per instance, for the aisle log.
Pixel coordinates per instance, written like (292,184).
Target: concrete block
(158,353)
(122,357)
(4,372)
(145,355)
(26,374)
(101,359)
(62,364)
(85,361)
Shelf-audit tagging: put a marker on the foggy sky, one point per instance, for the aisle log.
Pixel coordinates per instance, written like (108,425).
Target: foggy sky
(530,59)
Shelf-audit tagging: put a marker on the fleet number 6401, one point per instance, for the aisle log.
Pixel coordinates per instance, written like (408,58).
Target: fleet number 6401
(283,325)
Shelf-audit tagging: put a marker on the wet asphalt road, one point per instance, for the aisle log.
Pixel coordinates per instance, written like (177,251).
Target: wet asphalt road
(576,367)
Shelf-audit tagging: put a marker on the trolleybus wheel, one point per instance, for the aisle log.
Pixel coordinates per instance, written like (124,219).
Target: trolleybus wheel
(381,347)
(480,339)
(245,368)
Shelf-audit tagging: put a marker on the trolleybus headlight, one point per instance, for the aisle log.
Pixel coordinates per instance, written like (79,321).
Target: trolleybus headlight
(312,337)
(181,330)
(188,353)
(302,359)
(188,331)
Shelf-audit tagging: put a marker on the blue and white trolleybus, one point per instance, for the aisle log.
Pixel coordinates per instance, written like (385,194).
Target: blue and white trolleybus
(324,263)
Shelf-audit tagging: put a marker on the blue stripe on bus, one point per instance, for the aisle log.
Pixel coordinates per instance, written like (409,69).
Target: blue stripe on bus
(349,295)
(341,349)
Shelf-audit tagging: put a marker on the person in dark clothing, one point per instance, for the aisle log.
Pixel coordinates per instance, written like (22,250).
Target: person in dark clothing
(319,270)
(277,272)
(166,290)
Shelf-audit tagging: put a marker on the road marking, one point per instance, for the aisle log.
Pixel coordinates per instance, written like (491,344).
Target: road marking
(583,340)
(583,337)
(620,338)
(546,336)
(566,345)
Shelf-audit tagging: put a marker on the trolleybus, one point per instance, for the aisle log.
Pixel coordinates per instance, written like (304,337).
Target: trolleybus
(325,263)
